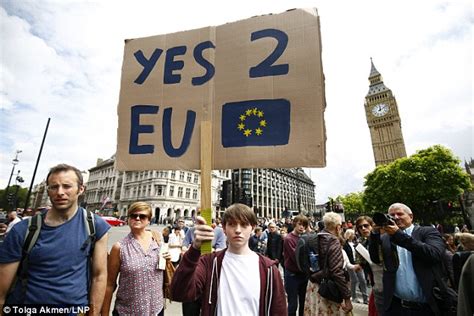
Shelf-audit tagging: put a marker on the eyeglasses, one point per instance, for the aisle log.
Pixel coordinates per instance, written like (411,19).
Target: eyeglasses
(55,187)
(363,225)
(138,216)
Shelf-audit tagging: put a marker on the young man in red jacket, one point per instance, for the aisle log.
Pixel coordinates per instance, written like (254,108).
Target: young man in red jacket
(234,281)
(296,281)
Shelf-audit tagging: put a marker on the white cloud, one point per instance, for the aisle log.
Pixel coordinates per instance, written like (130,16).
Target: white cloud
(63,60)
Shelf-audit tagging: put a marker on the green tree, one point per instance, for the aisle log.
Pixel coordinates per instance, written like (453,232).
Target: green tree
(421,181)
(21,197)
(353,205)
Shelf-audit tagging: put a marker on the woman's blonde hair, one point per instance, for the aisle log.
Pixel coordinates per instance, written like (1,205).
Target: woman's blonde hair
(139,206)
(349,232)
(331,220)
(466,240)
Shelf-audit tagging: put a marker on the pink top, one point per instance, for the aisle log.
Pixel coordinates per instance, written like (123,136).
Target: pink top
(140,289)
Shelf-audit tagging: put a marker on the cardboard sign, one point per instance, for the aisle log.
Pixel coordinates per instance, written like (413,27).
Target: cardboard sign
(258,81)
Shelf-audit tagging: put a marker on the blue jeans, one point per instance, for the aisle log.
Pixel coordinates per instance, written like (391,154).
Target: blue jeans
(295,287)
(358,278)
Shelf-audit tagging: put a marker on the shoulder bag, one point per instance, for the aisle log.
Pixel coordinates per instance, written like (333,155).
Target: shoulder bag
(168,273)
(328,288)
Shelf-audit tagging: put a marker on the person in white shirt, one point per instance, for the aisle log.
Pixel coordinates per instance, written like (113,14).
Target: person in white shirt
(175,244)
(355,270)
(234,281)
(13,219)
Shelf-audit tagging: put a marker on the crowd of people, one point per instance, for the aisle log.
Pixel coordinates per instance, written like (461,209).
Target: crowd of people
(396,267)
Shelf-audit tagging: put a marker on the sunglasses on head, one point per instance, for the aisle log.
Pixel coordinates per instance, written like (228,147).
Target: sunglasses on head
(364,226)
(138,216)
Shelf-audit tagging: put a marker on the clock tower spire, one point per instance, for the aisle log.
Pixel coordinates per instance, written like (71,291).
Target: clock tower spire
(384,120)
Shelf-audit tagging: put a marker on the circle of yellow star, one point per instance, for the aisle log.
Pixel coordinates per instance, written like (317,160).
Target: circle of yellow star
(247,132)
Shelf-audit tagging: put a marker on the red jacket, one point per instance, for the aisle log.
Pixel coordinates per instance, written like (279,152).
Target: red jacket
(198,276)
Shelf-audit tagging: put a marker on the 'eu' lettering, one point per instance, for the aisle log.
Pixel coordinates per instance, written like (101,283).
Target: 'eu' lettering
(136,129)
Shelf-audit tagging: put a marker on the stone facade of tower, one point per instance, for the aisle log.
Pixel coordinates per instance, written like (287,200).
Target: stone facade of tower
(384,121)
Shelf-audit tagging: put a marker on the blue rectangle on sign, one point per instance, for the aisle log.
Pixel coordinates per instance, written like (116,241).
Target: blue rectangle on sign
(256,123)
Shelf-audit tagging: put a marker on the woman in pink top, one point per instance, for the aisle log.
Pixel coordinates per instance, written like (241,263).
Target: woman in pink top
(136,257)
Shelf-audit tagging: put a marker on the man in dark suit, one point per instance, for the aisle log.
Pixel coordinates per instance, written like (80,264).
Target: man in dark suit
(274,244)
(410,254)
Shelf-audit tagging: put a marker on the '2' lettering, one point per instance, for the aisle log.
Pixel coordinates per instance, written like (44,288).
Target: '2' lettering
(266,67)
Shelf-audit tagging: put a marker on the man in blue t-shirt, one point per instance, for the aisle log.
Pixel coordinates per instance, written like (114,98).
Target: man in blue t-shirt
(58,270)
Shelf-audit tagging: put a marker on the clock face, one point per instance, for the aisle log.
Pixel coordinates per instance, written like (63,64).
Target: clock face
(380,109)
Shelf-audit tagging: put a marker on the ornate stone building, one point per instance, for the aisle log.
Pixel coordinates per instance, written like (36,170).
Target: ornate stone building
(171,193)
(384,120)
(174,193)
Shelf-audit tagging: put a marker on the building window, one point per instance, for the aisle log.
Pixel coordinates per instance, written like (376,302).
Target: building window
(189,177)
(195,194)
(196,178)
(181,175)
(158,190)
(188,193)
(173,174)
(180,192)
(171,190)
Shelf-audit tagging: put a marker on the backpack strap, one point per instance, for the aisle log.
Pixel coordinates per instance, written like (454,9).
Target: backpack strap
(89,223)
(31,236)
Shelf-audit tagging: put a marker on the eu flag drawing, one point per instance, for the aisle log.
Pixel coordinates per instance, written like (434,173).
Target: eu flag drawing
(256,123)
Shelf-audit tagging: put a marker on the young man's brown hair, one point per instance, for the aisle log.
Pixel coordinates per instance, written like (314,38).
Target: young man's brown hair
(303,220)
(240,213)
(64,167)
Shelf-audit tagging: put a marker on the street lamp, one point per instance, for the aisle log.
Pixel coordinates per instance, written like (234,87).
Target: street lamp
(18,180)
(15,161)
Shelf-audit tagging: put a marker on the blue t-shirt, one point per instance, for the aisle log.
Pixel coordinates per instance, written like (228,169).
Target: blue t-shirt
(58,268)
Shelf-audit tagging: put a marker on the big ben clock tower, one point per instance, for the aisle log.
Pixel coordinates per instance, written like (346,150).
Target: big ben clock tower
(384,120)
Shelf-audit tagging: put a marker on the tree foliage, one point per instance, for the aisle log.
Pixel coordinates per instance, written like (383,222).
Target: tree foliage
(420,181)
(20,197)
(353,205)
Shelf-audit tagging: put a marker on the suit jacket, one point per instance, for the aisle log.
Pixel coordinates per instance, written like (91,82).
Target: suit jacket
(348,249)
(426,247)
(274,247)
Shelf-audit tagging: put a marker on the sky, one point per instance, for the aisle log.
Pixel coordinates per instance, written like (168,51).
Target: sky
(62,60)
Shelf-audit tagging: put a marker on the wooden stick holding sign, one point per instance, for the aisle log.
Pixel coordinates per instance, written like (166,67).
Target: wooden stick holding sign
(206,178)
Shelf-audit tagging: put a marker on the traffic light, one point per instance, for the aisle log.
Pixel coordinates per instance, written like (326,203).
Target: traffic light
(247,200)
(339,208)
(226,193)
(328,207)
